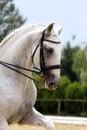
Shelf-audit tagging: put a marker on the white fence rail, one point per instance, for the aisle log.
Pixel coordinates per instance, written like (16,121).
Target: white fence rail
(69,120)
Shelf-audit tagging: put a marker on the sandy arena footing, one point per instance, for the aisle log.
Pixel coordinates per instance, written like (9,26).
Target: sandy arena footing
(61,123)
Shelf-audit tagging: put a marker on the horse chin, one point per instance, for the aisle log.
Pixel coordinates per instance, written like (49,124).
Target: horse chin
(51,87)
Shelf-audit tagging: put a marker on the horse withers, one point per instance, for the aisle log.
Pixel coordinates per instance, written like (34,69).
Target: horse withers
(22,49)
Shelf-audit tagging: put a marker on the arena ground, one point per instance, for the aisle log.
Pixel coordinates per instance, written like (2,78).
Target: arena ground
(61,123)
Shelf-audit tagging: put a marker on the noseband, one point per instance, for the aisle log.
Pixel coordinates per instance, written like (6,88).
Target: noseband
(43,67)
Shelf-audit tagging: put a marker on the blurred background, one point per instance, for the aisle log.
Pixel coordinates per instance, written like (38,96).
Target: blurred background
(71,97)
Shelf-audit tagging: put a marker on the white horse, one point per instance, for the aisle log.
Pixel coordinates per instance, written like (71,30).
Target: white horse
(24,47)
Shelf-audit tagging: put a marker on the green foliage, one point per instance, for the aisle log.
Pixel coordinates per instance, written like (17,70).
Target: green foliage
(83,77)
(84,93)
(67,61)
(65,81)
(80,62)
(9,18)
(73,91)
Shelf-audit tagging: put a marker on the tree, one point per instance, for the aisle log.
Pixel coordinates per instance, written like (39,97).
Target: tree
(67,61)
(9,17)
(73,91)
(80,64)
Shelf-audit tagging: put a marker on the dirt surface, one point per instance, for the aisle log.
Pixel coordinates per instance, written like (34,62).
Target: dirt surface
(58,127)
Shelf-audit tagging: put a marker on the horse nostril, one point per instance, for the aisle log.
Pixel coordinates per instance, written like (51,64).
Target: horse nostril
(57,83)
(52,81)
(51,84)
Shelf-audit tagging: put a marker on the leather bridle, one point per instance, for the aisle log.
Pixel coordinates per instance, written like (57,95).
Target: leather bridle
(43,67)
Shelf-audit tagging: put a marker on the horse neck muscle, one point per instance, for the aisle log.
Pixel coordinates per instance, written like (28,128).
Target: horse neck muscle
(18,48)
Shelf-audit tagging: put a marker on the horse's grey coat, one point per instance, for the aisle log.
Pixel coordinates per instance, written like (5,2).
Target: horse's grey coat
(17,93)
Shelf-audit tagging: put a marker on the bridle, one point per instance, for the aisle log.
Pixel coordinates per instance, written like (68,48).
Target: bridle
(43,67)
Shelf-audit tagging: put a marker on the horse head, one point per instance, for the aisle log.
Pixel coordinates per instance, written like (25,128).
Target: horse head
(49,56)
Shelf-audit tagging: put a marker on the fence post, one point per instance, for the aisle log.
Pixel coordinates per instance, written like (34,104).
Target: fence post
(59,107)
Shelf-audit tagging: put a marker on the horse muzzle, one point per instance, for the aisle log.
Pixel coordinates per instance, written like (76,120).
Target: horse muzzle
(52,82)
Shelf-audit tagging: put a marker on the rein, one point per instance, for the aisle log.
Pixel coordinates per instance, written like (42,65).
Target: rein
(38,71)
(10,66)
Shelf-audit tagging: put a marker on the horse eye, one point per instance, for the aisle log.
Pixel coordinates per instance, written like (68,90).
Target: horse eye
(50,50)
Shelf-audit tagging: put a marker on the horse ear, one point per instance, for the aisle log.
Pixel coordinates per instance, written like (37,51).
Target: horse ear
(49,28)
(60,28)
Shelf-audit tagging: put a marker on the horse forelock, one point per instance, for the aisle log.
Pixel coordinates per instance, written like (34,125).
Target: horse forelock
(14,32)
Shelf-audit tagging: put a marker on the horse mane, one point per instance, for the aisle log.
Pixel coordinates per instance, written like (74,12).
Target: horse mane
(9,36)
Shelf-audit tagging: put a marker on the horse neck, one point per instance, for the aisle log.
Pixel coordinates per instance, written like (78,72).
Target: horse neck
(18,50)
